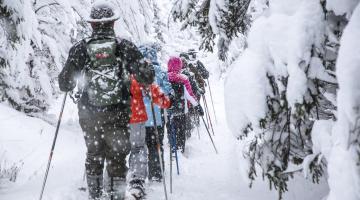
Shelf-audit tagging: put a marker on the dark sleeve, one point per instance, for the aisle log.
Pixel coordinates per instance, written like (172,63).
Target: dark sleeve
(73,66)
(203,71)
(143,71)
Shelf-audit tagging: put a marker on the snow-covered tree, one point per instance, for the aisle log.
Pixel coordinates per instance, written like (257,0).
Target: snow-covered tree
(34,50)
(36,37)
(339,142)
(344,157)
(290,68)
(223,18)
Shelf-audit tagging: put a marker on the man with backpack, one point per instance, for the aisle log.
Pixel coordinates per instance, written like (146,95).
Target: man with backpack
(105,63)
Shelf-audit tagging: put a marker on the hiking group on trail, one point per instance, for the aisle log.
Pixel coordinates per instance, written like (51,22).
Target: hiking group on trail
(126,102)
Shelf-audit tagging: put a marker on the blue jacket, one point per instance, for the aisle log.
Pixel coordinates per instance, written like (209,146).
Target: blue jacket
(161,79)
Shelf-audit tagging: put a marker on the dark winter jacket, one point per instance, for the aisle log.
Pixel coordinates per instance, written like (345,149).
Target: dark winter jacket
(200,73)
(127,54)
(195,85)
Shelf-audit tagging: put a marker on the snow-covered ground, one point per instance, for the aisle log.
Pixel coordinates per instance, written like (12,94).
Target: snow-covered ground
(26,142)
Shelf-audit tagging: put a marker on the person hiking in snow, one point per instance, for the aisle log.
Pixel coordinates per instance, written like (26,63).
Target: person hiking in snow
(138,154)
(183,93)
(196,69)
(191,116)
(105,63)
(196,77)
(161,78)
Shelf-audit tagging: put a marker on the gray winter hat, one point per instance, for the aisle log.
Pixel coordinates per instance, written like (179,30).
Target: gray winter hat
(103,11)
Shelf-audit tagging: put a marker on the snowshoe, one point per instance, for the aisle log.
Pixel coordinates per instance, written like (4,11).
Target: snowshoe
(136,190)
(95,186)
(115,188)
(155,179)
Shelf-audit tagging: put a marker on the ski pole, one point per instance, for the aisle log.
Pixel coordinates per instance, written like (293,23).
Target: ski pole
(53,146)
(198,132)
(207,115)
(197,126)
(206,112)
(175,148)
(158,146)
(207,108)
(170,166)
(212,101)
(168,126)
(209,135)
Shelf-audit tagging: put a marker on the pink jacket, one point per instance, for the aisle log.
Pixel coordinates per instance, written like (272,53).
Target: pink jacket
(174,68)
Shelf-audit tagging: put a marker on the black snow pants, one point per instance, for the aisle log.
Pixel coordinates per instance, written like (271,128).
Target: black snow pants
(153,155)
(106,134)
(178,131)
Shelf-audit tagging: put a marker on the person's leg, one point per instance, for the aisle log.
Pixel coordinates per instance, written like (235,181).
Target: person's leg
(151,145)
(117,148)
(188,125)
(94,158)
(182,131)
(168,128)
(180,128)
(137,160)
(153,156)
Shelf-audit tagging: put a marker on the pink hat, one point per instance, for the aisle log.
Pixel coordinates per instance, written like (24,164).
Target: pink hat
(175,64)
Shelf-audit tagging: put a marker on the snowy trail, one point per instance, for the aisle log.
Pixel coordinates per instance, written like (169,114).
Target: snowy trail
(204,175)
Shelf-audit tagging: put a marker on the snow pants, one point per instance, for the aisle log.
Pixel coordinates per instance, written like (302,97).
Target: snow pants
(178,128)
(154,167)
(107,139)
(138,162)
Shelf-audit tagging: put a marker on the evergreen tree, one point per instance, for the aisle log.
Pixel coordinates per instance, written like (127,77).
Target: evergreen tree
(36,42)
(37,37)
(212,20)
(233,20)
(283,144)
(344,156)
(183,9)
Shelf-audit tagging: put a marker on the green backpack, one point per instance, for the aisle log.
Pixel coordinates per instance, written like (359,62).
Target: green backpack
(107,82)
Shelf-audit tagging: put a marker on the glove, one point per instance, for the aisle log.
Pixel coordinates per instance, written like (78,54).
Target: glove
(201,91)
(199,110)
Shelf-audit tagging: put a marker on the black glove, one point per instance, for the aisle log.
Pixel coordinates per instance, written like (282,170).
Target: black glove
(199,110)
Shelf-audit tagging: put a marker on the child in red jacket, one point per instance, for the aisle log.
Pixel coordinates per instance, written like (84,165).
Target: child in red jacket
(138,153)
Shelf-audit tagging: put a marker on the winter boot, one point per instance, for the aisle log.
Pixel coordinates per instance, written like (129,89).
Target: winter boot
(95,186)
(136,190)
(156,178)
(115,188)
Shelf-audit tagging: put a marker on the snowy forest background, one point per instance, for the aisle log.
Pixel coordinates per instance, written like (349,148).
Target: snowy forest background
(291,68)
